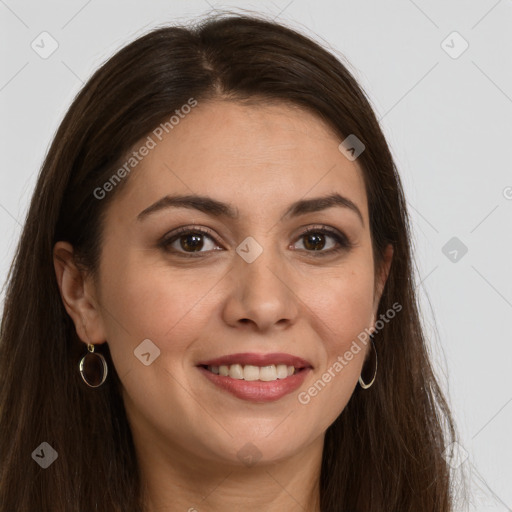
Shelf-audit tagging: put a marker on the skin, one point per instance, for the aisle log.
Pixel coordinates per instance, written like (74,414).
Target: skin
(291,299)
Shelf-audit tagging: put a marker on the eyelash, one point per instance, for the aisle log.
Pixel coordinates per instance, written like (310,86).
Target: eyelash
(340,238)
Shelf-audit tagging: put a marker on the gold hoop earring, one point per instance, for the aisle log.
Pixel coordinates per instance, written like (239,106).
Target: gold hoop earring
(361,381)
(93,368)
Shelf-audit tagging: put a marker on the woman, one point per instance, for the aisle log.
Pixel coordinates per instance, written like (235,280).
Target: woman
(217,230)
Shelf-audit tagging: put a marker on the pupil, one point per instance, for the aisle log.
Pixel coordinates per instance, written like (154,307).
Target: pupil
(315,241)
(191,242)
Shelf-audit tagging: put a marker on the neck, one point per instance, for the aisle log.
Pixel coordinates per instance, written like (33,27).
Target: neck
(179,482)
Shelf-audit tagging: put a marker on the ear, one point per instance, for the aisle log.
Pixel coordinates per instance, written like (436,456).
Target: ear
(382,277)
(78,295)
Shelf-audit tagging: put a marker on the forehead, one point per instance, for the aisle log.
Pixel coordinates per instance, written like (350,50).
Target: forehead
(252,156)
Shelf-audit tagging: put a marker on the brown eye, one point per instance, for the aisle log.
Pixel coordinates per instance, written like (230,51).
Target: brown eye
(187,241)
(191,242)
(314,241)
(323,241)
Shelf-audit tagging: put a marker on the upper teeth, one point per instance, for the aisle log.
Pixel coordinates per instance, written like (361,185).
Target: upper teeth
(250,372)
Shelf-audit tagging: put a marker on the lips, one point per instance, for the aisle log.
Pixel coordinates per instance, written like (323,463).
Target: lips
(254,359)
(257,391)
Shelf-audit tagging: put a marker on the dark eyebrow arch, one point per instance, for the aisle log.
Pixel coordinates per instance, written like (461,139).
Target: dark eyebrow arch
(317,204)
(218,209)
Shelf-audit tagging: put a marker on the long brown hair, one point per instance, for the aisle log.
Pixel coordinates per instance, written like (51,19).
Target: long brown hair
(383,453)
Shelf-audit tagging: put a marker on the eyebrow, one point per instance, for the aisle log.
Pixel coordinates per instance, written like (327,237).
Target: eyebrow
(219,209)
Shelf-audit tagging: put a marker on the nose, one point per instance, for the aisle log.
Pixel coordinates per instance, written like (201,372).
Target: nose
(262,295)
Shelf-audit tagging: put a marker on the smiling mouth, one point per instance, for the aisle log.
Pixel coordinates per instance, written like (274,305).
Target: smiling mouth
(254,373)
(268,377)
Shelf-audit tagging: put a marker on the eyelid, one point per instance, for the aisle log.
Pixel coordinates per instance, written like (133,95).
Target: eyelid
(172,236)
(341,239)
(321,228)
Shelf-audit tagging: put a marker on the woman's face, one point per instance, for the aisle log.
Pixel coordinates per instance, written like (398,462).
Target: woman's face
(244,280)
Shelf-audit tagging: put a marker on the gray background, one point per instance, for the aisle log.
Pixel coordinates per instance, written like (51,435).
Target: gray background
(447,118)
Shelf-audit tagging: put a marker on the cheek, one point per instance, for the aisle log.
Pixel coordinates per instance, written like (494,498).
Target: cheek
(342,310)
(169,308)
(148,301)
(342,302)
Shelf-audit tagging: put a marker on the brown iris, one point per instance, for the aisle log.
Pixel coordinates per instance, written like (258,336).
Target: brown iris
(192,242)
(314,241)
